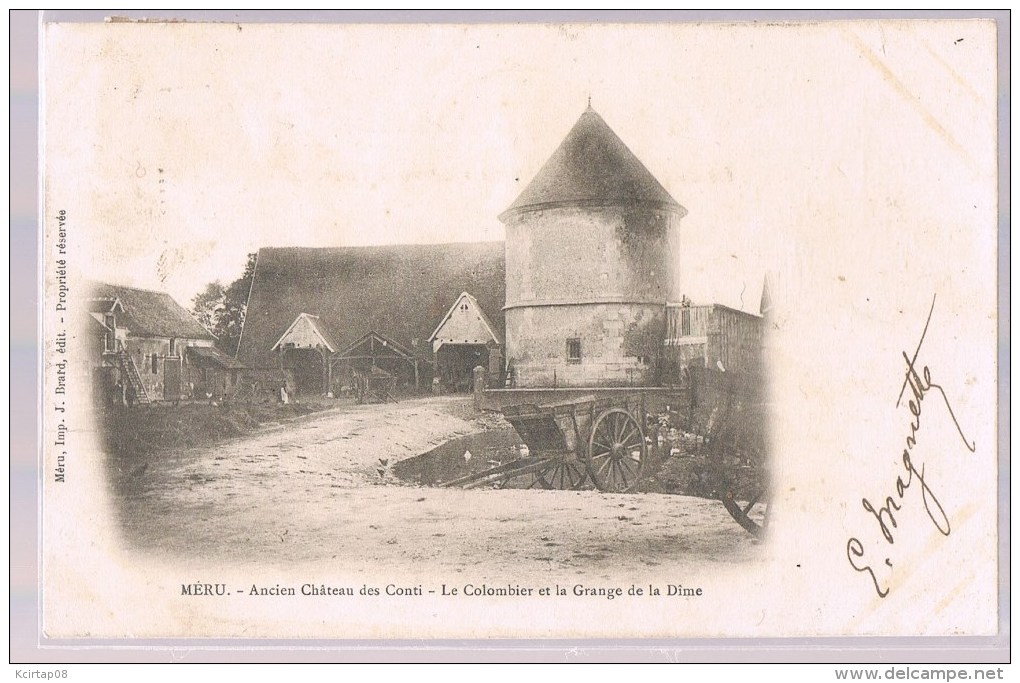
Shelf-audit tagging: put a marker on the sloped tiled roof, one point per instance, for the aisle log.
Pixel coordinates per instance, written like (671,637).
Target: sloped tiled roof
(592,166)
(214,355)
(398,291)
(148,313)
(323,331)
(103,305)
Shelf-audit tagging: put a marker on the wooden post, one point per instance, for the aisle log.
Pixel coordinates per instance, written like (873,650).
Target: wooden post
(495,361)
(478,377)
(329,376)
(325,369)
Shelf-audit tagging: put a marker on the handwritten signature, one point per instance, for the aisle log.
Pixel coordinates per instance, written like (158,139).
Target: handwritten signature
(921,385)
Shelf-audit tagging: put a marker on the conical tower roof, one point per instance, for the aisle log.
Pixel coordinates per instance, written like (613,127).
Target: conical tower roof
(592,167)
(766,297)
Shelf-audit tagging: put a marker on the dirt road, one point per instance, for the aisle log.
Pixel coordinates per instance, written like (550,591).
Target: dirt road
(321,488)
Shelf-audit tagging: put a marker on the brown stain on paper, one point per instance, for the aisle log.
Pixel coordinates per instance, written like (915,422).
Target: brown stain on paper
(889,77)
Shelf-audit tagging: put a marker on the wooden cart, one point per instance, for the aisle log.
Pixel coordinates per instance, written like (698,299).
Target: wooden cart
(604,438)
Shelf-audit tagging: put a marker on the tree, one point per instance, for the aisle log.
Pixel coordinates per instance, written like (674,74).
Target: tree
(207,303)
(221,309)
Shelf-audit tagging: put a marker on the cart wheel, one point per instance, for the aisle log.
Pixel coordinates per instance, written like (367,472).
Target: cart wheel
(748,504)
(533,481)
(560,475)
(616,451)
(563,475)
(538,482)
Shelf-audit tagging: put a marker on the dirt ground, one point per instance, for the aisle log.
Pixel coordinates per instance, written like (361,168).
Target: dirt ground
(322,488)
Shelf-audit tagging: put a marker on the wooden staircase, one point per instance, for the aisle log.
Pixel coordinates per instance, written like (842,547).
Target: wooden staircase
(134,378)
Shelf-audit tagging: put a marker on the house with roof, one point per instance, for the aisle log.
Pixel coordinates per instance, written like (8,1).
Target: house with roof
(152,348)
(307,350)
(464,339)
(322,314)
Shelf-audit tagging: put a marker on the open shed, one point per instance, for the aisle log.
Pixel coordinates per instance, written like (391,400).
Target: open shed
(464,339)
(361,303)
(374,351)
(307,347)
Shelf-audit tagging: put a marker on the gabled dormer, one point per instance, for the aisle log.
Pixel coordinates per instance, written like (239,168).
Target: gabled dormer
(465,323)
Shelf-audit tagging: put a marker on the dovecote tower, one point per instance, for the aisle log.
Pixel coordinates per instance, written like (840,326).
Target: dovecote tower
(590,264)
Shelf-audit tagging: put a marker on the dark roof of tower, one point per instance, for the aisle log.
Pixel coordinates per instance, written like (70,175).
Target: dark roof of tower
(592,166)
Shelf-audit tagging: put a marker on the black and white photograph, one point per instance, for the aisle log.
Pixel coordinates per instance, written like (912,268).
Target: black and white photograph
(519,330)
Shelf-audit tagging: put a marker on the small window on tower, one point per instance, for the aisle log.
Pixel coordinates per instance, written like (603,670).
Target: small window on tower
(574,350)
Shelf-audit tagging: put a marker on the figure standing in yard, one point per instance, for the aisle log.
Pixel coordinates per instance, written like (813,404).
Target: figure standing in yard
(130,395)
(360,386)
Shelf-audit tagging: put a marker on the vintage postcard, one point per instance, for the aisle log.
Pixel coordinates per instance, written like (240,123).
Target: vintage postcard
(544,331)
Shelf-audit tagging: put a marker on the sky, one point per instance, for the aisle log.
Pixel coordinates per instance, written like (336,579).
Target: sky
(178,149)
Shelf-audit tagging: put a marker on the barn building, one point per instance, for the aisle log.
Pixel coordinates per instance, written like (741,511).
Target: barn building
(153,348)
(320,314)
(465,339)
(713,336)
(590,249)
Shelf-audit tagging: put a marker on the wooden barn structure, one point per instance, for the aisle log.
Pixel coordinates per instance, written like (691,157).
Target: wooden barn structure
(326,313)
(307,348)
(465,339)
(715,337)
